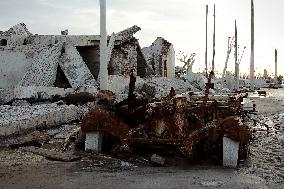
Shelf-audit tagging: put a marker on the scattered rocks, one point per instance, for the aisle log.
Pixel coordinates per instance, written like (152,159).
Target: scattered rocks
(158,159)
(20,103)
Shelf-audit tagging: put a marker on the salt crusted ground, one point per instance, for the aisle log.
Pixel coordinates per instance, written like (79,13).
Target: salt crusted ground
(266,158)
(263,169)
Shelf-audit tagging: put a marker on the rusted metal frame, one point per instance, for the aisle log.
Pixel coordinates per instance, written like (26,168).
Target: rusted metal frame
(176,142)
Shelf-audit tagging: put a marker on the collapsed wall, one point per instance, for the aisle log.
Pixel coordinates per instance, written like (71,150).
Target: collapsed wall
(43,68)
(160,57)
(32,60)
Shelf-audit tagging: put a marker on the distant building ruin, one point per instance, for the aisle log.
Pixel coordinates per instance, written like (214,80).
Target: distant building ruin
(73,60)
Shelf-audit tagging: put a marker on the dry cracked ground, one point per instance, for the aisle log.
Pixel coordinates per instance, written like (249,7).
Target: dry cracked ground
(263,169)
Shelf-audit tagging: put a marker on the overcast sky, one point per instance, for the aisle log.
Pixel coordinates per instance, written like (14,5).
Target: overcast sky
(182,22)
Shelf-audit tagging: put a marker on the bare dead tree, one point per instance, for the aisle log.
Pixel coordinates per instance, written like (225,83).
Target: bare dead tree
(230,46)
(187,60)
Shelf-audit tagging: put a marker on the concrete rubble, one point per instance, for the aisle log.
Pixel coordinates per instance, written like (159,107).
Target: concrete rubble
(18,119)
(74,67)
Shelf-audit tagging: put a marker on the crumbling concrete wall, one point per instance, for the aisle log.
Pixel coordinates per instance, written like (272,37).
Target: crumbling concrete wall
(126,54)
(76,40)
(160,56)
(16,35)
(19,29)
(124,59)
(42,71)
(32,60)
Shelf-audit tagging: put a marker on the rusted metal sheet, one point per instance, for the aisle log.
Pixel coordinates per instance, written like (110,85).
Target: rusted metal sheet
(104,121)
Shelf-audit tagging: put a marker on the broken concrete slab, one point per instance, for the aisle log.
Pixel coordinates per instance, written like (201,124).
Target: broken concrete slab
(18,119)
(74,68)
(110,46)
(40,93)
(127,34)
(158,159)
(42,71)
(52,155)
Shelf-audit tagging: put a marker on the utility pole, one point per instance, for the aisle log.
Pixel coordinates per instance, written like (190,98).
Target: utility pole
(275,75)
(103,76)
(206,43)
(236,59)
(252,49)
(214,33)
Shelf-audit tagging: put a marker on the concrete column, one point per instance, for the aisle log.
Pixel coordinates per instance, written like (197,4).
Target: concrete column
(103,76)
(230,152)
(206,68)
(94,141)
(237,75)
(252,49)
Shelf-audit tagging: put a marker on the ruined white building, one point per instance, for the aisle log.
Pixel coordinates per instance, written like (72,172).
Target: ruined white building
(160,57)
(73,60)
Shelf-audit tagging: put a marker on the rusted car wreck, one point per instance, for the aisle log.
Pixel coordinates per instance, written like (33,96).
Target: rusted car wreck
(193,124)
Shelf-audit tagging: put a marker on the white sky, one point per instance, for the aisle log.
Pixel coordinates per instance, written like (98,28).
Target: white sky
(181,22)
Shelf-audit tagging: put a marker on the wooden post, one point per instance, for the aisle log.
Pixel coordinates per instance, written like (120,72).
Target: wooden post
(214,33)
(275,75)
(236,58)
(252,49)
(206,71)
(103,76)
(226,61)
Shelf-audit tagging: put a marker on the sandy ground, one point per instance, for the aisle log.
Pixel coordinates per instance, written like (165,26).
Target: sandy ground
(263,169)
(23,170)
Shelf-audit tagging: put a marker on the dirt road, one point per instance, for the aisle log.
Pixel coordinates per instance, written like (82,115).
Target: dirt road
(35,172)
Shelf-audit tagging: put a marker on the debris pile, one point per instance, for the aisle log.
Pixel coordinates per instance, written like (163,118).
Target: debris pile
(146,110)
(189,123)
(18,119)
